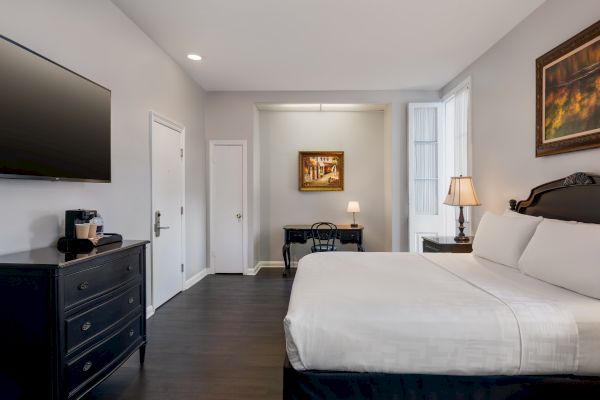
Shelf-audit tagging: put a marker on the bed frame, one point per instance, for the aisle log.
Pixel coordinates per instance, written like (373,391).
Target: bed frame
(576,197)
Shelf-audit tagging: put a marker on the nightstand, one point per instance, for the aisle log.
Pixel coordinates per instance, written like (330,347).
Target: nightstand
(446,244)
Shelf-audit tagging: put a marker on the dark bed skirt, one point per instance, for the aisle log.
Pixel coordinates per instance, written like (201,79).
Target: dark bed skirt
(303,385)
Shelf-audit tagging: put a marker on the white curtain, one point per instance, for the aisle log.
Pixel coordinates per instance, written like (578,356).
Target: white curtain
(461,131)
(426,161)
(456,114)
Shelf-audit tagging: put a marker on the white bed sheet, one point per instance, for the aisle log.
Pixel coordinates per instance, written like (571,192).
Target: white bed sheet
(453,314)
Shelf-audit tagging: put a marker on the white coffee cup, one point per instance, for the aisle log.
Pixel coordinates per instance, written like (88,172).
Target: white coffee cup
(82,231)
(92,232)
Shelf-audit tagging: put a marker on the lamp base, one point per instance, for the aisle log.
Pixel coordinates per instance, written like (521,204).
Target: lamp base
(461,239)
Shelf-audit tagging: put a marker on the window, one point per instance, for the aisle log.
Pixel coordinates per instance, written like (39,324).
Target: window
(438,149)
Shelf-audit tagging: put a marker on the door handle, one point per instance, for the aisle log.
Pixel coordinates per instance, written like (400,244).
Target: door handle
(238,216)
(157,227)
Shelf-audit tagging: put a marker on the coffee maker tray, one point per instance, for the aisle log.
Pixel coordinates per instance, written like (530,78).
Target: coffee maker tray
(86,245)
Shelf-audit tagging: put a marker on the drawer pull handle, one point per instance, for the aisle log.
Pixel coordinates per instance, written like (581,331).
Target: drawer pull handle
(129,268)
(87,366)
(86,325)
(131,300)
(131,332)
(83,285)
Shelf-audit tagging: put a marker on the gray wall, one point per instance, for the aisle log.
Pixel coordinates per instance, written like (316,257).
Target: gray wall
(98,41)
(503,107)
(282,134)
(233,115)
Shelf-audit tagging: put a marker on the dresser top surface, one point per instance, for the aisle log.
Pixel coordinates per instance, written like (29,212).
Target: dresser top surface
(51,257)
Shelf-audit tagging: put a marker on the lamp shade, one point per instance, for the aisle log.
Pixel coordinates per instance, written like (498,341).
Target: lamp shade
(353,207)
(462,192)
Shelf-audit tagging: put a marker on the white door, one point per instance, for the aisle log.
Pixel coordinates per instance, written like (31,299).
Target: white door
(167,218)
(427,180)
(227,207)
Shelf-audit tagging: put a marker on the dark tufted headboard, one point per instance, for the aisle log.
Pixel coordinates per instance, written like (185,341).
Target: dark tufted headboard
(574,198)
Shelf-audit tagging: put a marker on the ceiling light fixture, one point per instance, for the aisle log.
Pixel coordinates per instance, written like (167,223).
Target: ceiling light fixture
(194,57)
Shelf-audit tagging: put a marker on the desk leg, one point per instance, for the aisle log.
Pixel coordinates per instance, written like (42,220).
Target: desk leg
(360,247)
(286,259)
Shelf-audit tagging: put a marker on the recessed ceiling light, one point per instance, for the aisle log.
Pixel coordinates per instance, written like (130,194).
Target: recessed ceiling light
(194,57)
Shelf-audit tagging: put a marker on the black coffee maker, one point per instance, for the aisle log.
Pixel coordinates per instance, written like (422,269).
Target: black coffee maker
(70,244)
(73,217)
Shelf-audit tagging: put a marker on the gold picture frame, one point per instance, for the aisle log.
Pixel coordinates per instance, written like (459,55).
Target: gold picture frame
(320,171)
(567,100)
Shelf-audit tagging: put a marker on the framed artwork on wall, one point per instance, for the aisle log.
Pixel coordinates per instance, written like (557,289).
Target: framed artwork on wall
(320,171)
(568,95)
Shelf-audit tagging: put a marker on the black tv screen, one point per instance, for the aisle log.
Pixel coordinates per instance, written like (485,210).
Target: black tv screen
(54,123)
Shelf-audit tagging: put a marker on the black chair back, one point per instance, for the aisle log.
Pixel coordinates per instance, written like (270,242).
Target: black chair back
(323,236)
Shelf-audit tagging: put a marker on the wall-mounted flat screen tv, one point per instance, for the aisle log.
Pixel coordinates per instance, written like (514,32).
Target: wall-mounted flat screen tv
(54,123)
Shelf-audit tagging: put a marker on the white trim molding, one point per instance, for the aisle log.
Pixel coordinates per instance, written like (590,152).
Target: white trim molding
(149,311)
(268,264)
(195,279)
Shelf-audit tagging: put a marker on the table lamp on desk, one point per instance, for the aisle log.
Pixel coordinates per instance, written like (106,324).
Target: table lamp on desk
(353,207)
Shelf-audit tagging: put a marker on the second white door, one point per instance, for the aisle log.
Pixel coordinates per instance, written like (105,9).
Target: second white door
(227,207)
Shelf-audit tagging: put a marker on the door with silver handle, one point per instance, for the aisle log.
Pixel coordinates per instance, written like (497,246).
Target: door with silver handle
(157,227)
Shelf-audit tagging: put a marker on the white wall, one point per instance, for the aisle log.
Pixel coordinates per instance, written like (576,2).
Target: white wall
(232,115)
(282,135)
(503,107)
(95,39)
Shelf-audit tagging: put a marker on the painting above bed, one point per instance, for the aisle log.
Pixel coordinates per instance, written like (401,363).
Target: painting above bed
(321,171)
(568,95)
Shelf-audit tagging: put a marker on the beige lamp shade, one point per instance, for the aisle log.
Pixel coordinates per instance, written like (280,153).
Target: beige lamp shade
(462,192)
(353,207)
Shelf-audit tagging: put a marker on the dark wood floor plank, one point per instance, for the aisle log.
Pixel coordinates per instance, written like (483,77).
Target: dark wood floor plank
(221,340)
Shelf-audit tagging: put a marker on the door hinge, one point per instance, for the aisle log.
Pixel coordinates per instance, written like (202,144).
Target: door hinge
(181,210)
(181,152)
(181,267)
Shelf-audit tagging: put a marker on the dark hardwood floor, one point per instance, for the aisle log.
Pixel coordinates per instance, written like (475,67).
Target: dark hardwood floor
(221,339)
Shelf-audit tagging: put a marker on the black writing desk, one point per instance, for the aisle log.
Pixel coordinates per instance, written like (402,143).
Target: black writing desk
(303,233)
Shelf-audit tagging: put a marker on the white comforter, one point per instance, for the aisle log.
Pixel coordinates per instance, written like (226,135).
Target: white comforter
(453,314)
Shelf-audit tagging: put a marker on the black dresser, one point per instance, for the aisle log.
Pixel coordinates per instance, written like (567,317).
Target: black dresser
(68,321)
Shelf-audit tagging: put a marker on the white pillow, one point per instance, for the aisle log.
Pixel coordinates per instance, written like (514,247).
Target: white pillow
(502,239)
(510,213)
(566,255)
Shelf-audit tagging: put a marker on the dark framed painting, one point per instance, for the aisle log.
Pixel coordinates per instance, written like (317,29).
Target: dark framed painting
(320,171)
(568,95)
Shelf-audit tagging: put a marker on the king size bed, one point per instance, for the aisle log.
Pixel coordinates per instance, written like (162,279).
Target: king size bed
(506,322)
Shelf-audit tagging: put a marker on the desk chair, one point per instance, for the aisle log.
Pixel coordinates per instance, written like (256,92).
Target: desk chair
(323,236)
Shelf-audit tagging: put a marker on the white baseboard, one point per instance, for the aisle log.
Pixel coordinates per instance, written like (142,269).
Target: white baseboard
(268,264)
(149,311)
(195,279)
(187,284)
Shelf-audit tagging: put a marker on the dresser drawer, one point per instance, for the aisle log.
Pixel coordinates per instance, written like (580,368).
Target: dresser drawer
(84,326)
(94,364)
(348,236)
(100,279)
(428,248)
(296,236)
